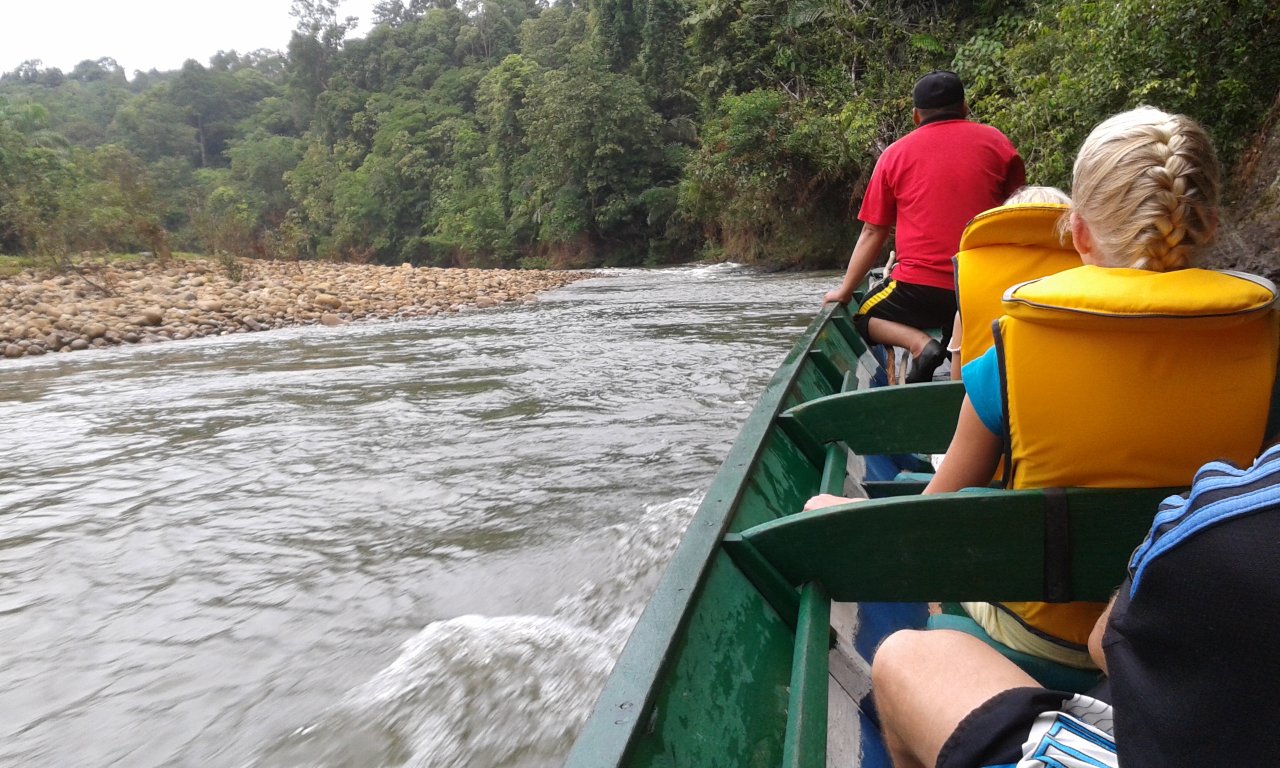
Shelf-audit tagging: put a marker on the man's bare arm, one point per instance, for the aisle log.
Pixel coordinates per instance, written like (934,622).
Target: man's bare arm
(865,252)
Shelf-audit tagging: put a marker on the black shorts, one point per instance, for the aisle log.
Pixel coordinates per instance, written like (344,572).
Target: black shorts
(1034,724)
(919,306)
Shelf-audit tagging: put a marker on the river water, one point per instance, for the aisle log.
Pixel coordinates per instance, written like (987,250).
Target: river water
(418,543)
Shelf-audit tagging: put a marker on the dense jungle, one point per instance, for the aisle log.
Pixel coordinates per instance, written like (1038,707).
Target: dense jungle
(513,133)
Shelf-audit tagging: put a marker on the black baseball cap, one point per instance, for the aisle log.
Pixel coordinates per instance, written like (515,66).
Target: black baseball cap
(1191,644)
(939,88)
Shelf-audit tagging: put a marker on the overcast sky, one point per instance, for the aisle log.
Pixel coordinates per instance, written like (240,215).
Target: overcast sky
(146,34)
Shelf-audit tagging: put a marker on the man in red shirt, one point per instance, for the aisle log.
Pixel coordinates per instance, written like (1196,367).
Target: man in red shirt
(925,188)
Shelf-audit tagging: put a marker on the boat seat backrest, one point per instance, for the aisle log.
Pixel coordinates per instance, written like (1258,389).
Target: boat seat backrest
(1000,248)
(1125,378)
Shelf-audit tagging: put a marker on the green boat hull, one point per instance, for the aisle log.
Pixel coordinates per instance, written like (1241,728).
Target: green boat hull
(754,650)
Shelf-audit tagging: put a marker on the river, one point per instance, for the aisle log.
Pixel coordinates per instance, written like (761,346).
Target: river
(416,543)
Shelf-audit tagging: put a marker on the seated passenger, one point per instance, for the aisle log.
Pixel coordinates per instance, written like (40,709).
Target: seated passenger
(1130,371)
(923,189)
(1018,241)
(1188,645)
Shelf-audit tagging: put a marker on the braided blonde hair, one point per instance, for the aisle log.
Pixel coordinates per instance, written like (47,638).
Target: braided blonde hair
(1146,184)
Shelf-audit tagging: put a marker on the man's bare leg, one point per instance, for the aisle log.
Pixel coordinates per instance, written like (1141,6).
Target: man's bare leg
(926,353)
(897,335)
(926,682)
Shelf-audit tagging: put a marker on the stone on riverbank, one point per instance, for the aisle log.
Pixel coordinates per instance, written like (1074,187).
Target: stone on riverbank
(147,302)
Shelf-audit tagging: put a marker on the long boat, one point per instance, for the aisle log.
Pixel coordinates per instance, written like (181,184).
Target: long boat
(754,649)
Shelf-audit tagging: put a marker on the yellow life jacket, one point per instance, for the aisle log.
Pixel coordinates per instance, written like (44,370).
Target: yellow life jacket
(1125,378)
(999,249)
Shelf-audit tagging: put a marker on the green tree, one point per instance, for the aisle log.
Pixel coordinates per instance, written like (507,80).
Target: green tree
(214,102)
(34,171)
(1049,76)
(502,97)
(104,69)
(617,28)
(773,177)
(594,150)
(313,183)
(663,62)
(117,208)
(153,126)
(258,167)
(313,49)
(550,37)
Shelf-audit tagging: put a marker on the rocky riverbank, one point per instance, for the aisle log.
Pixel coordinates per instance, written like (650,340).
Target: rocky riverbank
(100,305)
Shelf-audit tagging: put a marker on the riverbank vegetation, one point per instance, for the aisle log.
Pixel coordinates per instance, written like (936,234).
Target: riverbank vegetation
(509,133)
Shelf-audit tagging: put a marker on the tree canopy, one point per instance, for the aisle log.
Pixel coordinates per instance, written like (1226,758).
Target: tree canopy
(585,132)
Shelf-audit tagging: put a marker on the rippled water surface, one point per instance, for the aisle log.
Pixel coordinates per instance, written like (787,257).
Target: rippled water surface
(417,543)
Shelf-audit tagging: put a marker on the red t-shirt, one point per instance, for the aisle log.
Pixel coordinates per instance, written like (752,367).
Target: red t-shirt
(930,183)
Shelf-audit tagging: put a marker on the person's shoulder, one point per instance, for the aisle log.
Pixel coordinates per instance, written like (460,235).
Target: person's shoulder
(974,126)
(974,133)
(965,128)
(989,130)
(920,136)
(1220,492)
(904,140)
(895,149)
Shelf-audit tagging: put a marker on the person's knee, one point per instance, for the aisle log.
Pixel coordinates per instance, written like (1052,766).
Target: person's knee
(897,656)
(913,659)
(897,688)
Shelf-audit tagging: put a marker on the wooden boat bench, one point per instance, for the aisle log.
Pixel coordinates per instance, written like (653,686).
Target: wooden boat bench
(904,420)
(1052,545)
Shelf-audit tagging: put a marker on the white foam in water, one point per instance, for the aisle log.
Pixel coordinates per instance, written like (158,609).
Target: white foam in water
(509,691)
(712,270)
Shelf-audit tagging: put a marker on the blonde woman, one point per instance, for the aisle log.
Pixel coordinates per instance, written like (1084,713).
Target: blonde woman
(1144,201)
(1144,196)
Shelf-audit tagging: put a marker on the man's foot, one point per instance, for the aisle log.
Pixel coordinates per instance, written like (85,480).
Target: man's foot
(930,358)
